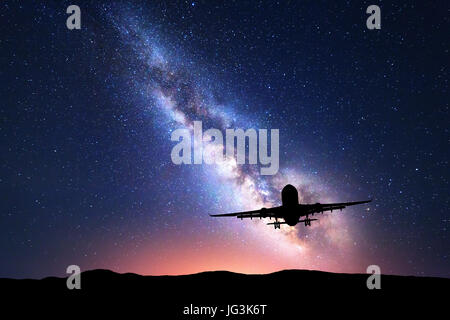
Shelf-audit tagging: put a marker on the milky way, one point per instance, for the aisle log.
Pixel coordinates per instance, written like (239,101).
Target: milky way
(87,115)
(172,88)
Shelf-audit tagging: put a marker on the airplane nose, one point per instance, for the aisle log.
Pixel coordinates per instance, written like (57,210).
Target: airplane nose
(289,195)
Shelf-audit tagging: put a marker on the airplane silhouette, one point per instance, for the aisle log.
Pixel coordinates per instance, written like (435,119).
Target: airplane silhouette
(290,211)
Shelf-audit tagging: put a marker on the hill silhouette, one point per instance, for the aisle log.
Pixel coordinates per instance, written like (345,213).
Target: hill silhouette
(287,294)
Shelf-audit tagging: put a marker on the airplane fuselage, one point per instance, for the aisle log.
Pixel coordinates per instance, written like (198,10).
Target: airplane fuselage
(289,199)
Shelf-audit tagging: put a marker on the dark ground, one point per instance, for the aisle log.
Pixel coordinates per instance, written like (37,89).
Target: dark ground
(290,294)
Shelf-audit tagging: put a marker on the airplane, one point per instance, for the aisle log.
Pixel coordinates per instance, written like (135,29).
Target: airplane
(290,211)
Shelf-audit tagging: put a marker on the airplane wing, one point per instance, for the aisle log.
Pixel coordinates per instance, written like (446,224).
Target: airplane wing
(261,213)
(322,207)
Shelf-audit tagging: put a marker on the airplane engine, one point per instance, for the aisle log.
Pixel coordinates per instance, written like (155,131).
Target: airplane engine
(263,212)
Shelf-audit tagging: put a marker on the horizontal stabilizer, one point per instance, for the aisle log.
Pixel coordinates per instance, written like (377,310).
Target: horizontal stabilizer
(307,220)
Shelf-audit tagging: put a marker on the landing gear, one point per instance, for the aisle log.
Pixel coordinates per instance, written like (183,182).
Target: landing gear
(276,224)
(307,222)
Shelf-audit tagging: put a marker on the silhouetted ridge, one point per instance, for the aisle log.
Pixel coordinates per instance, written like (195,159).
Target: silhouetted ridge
(283,292)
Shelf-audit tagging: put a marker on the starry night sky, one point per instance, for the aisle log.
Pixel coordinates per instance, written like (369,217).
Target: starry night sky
(86,116)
